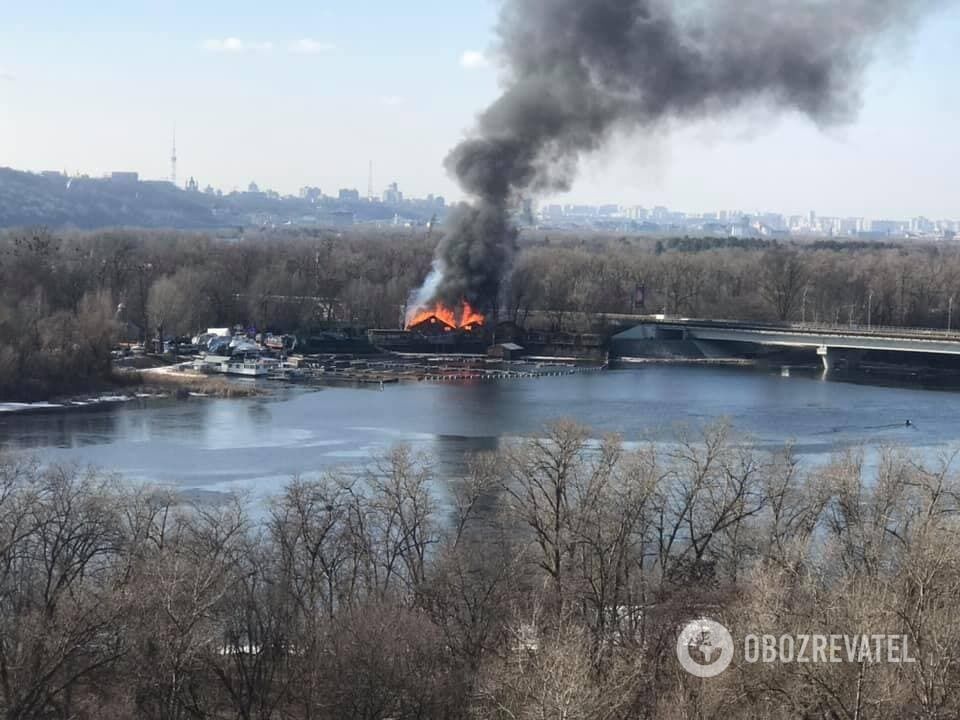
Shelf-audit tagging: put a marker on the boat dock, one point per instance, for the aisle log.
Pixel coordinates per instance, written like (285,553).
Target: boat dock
(364,371)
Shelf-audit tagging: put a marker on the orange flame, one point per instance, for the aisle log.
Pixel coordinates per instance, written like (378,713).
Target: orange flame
(462,318)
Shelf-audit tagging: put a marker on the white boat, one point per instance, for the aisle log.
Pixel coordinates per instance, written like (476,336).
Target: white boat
(241,364)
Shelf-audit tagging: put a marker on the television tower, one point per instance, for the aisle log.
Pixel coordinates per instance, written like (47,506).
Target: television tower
(173,158)
(370,183)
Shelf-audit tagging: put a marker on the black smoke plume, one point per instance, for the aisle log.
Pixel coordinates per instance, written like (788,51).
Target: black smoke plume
(579,69)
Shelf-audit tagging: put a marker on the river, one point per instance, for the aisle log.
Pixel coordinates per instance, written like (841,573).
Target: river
(259,443)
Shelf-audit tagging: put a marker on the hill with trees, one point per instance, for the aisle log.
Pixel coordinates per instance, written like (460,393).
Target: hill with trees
(54,200)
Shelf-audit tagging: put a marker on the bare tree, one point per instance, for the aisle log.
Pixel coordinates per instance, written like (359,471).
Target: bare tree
(401,521)
(61,603)
(190,577)
(783,276)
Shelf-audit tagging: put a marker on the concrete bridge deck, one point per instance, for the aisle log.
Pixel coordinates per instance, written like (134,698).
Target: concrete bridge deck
(830,342)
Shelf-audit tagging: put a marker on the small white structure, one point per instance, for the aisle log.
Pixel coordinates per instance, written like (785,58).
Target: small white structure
(242,364)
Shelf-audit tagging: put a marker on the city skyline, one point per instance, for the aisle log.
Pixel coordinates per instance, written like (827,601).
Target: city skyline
(393,193)
(310,95)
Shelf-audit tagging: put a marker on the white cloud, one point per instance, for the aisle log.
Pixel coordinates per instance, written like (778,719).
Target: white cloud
(7,76)
(392,100)
(236,45)
(309,46)
(474,60)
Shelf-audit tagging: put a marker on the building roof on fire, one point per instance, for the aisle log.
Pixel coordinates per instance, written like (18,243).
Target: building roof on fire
(432,321)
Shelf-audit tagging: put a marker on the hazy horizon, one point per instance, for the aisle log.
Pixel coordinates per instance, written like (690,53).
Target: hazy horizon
(308,96)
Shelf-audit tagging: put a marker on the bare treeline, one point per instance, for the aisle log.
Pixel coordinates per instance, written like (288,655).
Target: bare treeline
(64,298)
(832,283)
(548,581)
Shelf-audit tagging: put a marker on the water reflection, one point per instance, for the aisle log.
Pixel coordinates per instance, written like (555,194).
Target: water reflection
(73,429)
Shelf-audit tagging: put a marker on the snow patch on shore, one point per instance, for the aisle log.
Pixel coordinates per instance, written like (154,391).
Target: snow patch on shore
(20,407)
(13,407)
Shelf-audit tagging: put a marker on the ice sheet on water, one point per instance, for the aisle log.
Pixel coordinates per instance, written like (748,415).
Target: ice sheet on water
(21,407)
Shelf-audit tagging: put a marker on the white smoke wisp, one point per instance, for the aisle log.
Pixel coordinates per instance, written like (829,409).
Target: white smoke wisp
(423,297)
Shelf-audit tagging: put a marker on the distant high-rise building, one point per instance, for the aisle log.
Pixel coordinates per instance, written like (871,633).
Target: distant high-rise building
(253,187)
(528,210)
(851,226)
(774,221)
(349,195)
(392,195)
(888,227)
(830,226)
(311,194)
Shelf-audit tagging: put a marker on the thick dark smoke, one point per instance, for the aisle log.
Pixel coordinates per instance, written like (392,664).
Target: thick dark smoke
(580,69)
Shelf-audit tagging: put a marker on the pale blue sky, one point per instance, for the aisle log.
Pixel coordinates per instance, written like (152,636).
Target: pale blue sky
(314,90)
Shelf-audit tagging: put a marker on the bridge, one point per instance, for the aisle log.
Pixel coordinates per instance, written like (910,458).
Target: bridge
(832,343)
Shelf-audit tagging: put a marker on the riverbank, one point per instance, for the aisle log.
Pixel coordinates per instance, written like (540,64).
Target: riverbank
(77,403)
(174,378)
(202,386)
(139,385)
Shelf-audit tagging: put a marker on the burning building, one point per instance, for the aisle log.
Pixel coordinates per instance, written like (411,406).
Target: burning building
(432,325)
(441,318)
(438,328)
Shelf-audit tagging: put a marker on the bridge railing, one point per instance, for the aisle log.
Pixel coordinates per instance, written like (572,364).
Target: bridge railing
(831,328)
(886,330)
(952,335)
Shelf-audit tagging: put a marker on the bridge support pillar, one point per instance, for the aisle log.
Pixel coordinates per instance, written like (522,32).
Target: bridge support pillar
(826,356)
(832,357)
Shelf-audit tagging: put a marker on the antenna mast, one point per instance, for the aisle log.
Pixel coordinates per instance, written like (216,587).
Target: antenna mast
(370,183)
(173,158)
